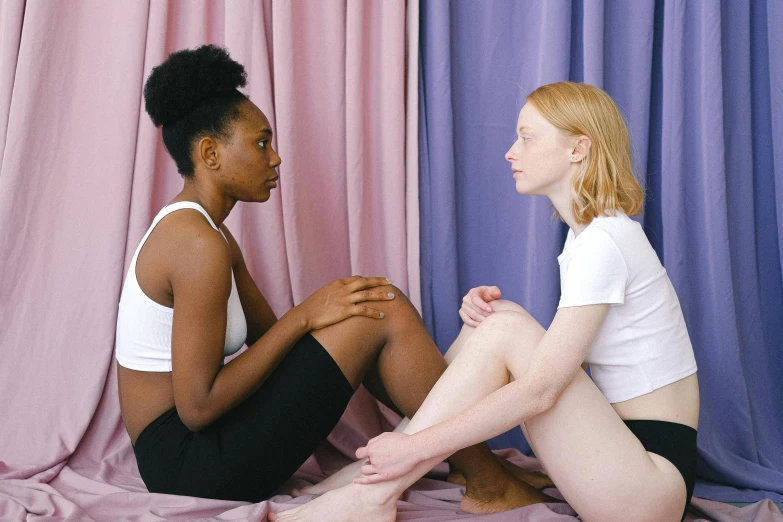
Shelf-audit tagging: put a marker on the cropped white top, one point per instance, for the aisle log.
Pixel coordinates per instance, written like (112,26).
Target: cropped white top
(144,327)
(643,344)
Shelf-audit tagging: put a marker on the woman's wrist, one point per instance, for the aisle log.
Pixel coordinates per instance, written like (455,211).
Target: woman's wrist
(421,448)
(299,318)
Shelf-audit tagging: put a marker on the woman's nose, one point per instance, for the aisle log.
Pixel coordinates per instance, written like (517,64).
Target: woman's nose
(276,159)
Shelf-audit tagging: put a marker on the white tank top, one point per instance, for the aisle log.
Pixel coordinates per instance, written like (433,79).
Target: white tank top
(143,339)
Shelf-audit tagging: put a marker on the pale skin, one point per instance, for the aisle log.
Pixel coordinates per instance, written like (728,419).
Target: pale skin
(506,370)
(367,326)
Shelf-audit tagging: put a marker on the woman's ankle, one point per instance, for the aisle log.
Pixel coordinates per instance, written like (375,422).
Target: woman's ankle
(379,494)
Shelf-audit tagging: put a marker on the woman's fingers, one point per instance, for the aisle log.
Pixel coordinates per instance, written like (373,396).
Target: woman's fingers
(480,304)
(356,283)
(369,469)
(366,311)
(370,295)
(349,280)
(362,453)
(474,302)
(473,314)
(467,319)
(371,479)
(489,293)
(475,305)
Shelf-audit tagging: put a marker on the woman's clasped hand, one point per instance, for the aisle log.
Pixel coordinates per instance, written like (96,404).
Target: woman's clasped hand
(389,456)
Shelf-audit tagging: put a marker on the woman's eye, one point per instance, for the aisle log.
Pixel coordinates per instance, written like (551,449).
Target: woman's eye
(262,143)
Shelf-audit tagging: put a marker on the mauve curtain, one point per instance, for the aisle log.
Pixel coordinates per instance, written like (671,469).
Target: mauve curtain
(84,171)
(699,83)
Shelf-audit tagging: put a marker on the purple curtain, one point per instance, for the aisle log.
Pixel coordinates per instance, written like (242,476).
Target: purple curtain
(700,86)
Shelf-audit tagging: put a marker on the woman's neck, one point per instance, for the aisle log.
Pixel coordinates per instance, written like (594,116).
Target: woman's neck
(561,200)
(217,205)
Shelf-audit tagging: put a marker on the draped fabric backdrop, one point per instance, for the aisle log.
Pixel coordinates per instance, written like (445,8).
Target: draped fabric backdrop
(699,83)
(84,171)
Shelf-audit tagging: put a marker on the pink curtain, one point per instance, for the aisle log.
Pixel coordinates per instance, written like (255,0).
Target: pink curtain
(84,171)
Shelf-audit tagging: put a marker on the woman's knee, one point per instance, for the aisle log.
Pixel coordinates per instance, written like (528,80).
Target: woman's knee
(507,333)
(396,311)
(399,311)
(504,305)
(510,320)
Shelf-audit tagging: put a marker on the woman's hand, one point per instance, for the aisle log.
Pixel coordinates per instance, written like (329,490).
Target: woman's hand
(475,307)
(389,456)
(341,299)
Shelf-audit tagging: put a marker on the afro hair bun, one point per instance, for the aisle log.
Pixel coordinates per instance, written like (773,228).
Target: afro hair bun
(187,78)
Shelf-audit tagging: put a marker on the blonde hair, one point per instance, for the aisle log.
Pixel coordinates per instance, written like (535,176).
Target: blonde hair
(605,181)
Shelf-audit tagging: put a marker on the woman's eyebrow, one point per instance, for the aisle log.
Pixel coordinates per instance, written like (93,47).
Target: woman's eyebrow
(523,128)
(265,131)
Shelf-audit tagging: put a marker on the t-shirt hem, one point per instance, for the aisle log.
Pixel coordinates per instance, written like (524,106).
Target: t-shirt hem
(609,300)
(652,386)
(660,383)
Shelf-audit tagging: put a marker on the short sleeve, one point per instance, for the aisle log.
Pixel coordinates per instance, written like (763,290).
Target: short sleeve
(595,271)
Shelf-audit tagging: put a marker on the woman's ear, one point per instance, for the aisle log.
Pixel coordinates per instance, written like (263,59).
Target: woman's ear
(581,148)
(207,153)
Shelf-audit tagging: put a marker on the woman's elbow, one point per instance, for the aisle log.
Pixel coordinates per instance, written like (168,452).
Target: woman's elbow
(546,401)
(194,418)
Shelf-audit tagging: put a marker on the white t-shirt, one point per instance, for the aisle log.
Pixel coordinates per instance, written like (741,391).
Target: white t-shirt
(643,344)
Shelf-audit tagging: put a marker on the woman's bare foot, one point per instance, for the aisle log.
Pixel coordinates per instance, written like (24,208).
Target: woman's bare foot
(336,480)
(535,478)
(343,477)
(502,494)
(457,478)
(347,504)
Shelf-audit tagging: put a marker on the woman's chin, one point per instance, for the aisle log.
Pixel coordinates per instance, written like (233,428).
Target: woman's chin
(265,194)
(259,197)
(522,188)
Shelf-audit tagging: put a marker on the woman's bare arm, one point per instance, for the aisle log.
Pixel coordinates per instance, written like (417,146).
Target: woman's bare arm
(200,280)
(555,360)
(553,364)
(258,313)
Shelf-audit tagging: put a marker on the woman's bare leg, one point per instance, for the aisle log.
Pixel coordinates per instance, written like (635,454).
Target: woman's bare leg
(461,460)
(408,364)
(344,476)
(534,478)
(599,466)
(474,374)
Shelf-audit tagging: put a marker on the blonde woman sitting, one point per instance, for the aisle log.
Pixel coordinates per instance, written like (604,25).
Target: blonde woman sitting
(619,447)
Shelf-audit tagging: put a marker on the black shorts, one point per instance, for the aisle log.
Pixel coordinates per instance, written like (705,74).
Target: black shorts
(673,441)
(249,452)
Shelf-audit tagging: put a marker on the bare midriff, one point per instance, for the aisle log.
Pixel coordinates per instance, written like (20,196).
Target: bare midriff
(144,396)
(677,402)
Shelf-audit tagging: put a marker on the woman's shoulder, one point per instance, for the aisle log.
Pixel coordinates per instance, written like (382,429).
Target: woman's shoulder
(188,235)
(629,237)
(188,224)
(621,228)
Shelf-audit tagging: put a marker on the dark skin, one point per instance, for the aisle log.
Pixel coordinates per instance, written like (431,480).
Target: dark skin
(369,327)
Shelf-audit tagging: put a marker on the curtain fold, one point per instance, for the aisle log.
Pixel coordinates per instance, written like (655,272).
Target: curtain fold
(697,84)
(64,193)
(84,171)
(11,14)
